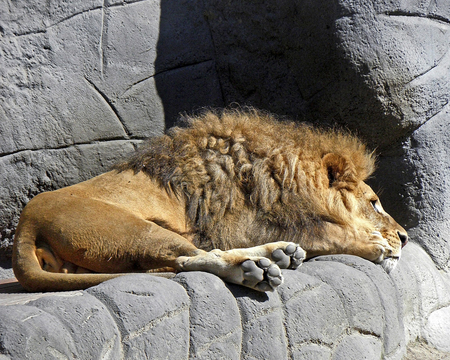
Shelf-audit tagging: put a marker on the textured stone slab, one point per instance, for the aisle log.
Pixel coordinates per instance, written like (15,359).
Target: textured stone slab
(29,173)
(132,66)
(29,332)
(358,346)
(423,291)
(317,313)
(437,329)
(88,321)
(311,352)
(392,307)
(263,335)
(215,321)
(152,315)
(314,313)
(359,297)
(191,87)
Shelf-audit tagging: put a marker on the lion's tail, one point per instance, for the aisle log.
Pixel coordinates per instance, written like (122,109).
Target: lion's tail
(32,277)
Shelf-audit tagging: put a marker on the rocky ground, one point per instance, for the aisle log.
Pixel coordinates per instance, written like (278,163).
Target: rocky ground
(339,307)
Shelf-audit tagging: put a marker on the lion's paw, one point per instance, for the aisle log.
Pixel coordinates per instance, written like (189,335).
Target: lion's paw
(289,257)
(261,275)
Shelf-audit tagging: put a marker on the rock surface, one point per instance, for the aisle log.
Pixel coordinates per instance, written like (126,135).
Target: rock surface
(335,307)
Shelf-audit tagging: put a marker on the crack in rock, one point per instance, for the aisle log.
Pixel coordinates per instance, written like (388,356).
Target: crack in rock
(199,350)
(168,315)
(433,17)
(113,108)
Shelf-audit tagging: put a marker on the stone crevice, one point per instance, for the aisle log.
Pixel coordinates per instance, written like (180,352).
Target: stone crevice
(109,102)
(103,39)
(108,348)
(64,147)
(134,84)
(317,342)
(71,16)
(221,338)
(299,293)
(433,17)
(113,310)
(443,110)
(211,36)
(149,326)
(365,332)
(184,66)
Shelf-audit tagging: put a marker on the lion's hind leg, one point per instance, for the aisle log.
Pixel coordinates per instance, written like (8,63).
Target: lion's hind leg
(51,262)
(48,260)
(256,267)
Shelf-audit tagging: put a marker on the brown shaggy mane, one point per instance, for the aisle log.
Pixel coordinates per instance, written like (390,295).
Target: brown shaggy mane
(240,170)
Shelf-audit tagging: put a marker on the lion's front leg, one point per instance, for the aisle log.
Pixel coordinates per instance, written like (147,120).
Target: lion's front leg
(257,267)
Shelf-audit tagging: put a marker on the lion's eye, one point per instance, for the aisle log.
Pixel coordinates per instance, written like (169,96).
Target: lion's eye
(375,205)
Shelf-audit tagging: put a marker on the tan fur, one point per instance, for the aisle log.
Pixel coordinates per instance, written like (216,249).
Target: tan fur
(187,200)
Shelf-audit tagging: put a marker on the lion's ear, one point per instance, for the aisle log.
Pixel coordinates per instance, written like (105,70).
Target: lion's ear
(341,171)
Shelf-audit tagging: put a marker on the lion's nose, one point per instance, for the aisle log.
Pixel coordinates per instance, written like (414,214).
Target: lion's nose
(403,238)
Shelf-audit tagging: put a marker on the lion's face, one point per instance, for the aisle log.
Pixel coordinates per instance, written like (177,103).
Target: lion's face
(355,204)
(370,210)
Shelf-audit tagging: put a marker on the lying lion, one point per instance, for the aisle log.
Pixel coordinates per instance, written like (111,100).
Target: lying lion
(236,194)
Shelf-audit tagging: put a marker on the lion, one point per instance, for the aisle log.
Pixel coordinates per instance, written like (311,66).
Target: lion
(239,194)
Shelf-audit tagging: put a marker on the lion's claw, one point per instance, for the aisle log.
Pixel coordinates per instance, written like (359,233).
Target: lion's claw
(289,258)
(262,275)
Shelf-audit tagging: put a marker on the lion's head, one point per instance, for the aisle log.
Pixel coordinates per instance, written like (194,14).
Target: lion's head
(354,204)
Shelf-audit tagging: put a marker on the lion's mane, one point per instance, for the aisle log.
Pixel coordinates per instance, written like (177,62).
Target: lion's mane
(247,175)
